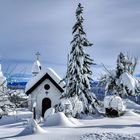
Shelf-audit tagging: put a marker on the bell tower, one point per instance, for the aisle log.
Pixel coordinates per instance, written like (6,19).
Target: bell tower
(36,66)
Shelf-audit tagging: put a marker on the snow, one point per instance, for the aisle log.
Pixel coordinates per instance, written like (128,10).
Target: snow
(49,113)
(72,106)
(108,136)
(131,113)
(129,81)
(76,122)
(32,128)
(20,126)
(132,105)
(58,119)
(42,72)
(114,102)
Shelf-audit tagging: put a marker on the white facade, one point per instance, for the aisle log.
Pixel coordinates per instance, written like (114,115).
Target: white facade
(37,92)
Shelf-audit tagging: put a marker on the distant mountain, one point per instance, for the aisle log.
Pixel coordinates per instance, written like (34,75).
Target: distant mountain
(18,77)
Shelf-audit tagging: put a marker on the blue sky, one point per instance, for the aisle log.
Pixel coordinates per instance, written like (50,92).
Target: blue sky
(28,26)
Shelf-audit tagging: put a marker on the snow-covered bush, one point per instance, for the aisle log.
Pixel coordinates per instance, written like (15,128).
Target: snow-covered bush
(58,119)
(77,105)
(114,105)
(78,108)
(67,107)
(72,106)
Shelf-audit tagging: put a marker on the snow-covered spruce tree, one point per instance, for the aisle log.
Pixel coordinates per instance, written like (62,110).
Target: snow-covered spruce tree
(125,64)
(78,75)
(121,81)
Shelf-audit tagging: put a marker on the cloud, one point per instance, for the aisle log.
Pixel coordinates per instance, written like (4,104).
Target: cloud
(46,26)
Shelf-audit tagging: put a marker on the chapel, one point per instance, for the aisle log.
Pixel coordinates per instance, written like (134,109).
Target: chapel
(44,88)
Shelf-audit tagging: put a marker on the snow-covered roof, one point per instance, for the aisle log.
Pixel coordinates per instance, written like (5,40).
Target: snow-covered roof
(36,80)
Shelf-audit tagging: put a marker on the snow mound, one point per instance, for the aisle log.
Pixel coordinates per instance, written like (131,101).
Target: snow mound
(75,121)
(59,119)
(114,102)
(49,112)
(32,128)
(131,113)
(132,105)
(109,136)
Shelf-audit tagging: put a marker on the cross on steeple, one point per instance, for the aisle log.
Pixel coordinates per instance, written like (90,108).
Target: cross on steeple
(37,55)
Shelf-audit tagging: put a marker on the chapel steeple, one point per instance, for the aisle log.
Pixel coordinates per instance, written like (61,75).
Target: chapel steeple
(36,66)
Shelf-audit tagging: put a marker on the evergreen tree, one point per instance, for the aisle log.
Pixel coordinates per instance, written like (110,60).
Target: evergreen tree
(121,81)
(125,64)
(5,104)
(78,75)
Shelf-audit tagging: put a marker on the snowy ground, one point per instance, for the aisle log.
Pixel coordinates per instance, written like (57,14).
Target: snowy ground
(126,127)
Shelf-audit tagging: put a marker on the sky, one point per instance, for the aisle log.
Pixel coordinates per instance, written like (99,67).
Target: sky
(28,26)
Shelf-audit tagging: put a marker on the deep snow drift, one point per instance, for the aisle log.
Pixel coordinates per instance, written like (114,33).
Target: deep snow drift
(60,120)
(32,128)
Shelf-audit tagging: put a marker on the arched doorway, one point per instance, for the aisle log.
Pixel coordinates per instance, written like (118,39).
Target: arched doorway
(46,103)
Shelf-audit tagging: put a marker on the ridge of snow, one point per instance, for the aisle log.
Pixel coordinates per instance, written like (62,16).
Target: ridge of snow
(75,121)
(49,112)
(131,113)
(32,128)
(59,119)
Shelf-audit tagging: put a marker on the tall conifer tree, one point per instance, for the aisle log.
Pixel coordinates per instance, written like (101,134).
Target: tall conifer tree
(78,75)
